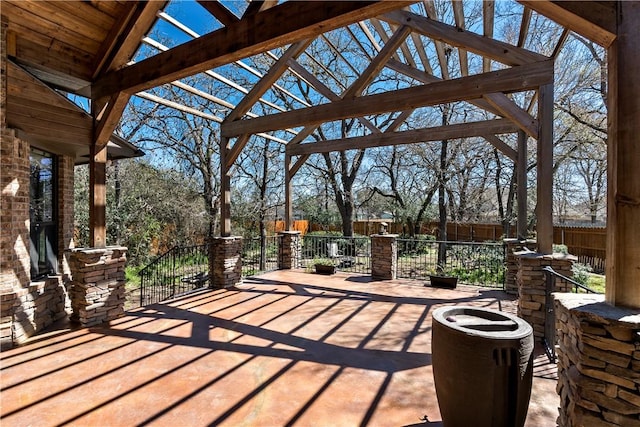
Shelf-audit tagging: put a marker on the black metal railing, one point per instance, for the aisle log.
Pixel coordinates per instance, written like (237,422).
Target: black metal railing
(349,254)
(178,271)
(472,263)
(549,339)
(260,255)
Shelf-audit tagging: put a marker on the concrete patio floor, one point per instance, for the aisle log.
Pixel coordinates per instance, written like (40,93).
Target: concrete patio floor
(284,348)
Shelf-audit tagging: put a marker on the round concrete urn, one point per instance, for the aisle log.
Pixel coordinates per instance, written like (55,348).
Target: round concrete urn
(482,366)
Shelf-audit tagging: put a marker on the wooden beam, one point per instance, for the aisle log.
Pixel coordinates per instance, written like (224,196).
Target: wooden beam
(594,20)
(234,152)
(511,110)
(544,210)
(524,26)
(221,13)
(623,158)
(462,89)
(267,80)
(109,119)
(455,131)
(225,189)
(521,183)
(98,196)
(494,49)
(298,164)
(257,6)
(501,146)
(125,35)
(427,78)
(432,13)
(488,14)
(288,191)
(458,14)
(325,91)
(378,63)
(284,24)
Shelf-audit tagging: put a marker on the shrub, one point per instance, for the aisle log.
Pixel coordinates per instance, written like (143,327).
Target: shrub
(581,273)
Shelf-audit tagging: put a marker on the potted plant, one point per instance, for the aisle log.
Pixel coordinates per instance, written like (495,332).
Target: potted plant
(439,279)
(324,266)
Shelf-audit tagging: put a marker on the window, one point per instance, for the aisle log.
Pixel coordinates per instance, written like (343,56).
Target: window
(42,213)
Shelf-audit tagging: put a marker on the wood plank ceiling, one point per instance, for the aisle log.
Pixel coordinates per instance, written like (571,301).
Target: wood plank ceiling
(65,45)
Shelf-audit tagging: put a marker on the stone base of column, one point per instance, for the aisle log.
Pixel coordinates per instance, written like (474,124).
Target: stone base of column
(289,250)
(384,256)
(598,362)
(97,289)
(532,285)
(225,262)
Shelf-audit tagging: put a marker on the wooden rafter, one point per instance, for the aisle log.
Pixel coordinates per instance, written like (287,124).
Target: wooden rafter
(488,17)
(511,110)
(524,26)
(257,6)
(502,146)
(454,131)
(430,8)
(124,37)
(494,49)
(296,21)
(595,20)
(458,14)
(463,89)
(221,13)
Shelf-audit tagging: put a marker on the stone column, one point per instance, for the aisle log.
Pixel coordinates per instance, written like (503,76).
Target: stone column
(598,362)
(511,261)
(289,250)
(97,288)
(384,256)
(532,285)
(225,262)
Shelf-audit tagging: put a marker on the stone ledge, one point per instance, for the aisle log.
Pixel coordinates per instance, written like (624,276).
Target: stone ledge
(592,307)
(95,251)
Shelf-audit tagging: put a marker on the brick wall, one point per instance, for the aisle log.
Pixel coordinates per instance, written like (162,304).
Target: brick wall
(27,307)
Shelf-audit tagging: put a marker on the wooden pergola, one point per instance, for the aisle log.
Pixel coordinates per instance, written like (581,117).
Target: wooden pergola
(86,48)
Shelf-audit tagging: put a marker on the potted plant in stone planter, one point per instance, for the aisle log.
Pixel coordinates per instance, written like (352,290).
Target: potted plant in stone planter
(440,279)
(324,266)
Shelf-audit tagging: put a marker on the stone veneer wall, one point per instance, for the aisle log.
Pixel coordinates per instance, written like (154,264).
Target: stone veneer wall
(289,250)
(598,362)
(98,288)
(532,285)
(384,256)
(225,262)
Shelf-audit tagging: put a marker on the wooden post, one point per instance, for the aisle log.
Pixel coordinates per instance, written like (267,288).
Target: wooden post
(225,189)
(521,185)
(544,213)
(623,160)
(98,197)
(288,209)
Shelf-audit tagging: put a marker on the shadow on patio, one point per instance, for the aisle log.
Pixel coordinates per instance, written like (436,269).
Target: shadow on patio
(284,348)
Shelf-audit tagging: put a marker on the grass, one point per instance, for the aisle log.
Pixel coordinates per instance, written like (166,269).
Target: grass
(596,282)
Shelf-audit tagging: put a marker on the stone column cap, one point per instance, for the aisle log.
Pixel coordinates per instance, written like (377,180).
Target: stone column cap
(526,253)
(97,250)
(289,232)
(593,307)
(385,235)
